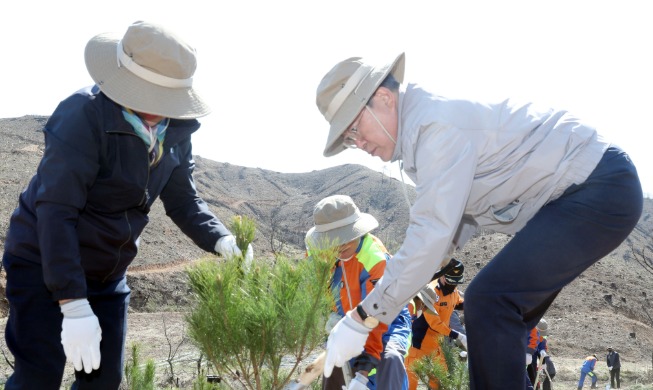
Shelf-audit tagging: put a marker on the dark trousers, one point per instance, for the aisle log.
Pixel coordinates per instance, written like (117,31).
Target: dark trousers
(546,384)
(531,370)
(33,330)
(336,381)
(512,292)
(614,374)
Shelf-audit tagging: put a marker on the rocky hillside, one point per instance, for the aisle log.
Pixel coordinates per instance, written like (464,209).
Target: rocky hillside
(610,304)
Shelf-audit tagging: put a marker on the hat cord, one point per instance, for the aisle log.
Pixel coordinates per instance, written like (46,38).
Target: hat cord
(381,124)
(147,75)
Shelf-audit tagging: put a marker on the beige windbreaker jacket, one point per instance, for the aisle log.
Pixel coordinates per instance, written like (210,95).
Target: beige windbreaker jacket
(475,164)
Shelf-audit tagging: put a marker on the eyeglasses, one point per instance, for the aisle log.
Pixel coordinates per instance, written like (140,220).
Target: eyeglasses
(351,135)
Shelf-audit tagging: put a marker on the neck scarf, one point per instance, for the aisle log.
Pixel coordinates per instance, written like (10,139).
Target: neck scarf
(152,136)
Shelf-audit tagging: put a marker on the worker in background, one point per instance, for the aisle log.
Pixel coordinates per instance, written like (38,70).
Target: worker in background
(614,365)
(360,264)
(430,329)
(587,369)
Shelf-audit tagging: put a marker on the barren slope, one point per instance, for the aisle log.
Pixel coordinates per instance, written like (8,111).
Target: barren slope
(610,304)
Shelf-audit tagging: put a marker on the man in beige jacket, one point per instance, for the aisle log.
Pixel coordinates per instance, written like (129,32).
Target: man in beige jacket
(569,197)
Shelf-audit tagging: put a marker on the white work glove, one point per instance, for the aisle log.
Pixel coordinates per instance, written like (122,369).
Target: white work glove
(529,359)
(463,340)
(346,340)
(227,247)
(358,383)
(81,335)
(609,368)
(542,354)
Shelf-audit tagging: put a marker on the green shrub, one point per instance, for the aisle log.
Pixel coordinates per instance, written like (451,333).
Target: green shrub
(246,322)
(137,377)
(453,376)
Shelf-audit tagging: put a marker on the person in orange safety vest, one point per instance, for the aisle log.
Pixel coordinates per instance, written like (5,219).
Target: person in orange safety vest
(359,265)
(430,328)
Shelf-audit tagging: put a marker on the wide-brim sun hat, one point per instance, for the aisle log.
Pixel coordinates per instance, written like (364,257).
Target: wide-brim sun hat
(346,89)
(543,327)
(428,295)
(338,221)
(149,70)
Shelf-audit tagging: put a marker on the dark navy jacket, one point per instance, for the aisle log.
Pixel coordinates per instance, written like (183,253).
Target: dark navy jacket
(82,213)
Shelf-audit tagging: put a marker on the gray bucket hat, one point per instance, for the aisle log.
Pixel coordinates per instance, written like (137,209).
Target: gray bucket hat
(149,70)
(338,221)
(543,327)
(345,90)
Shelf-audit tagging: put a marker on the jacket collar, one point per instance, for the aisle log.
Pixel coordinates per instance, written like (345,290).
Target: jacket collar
(114,122)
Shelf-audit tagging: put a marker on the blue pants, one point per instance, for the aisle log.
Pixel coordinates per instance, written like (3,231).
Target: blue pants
(582,378)
(33,331)
(392,371)
(512,292)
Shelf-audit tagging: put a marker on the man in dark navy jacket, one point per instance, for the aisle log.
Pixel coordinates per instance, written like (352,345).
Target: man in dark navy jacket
(110,151)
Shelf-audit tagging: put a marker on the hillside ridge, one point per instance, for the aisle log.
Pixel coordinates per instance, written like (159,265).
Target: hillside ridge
(609,304)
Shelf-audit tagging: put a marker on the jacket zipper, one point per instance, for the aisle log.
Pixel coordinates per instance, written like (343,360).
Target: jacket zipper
(143,203)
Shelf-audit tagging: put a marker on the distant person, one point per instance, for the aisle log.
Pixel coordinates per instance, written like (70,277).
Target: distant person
(614,366)
(587,369)
(536,350)
(547,369)
(361,262)
(111,150)
(531,359)
(567,195)
(432,327)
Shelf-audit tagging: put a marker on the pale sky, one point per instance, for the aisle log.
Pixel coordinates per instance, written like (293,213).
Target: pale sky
(260,61)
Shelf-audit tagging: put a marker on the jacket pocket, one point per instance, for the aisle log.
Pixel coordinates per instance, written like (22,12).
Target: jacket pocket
(507,213)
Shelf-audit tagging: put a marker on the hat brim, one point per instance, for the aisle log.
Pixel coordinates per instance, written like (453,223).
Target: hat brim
(355,102)
(342,235)
(129,90)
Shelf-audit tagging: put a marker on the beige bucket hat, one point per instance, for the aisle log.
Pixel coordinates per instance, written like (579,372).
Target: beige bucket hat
(428,295)
(338,221)
(345,90)
(149,70)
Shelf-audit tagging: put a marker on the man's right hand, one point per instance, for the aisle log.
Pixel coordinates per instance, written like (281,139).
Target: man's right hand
(346,340)
(227,247)
(81,335)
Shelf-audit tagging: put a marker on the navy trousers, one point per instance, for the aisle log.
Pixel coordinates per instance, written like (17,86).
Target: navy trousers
(512,292)
(33,331)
